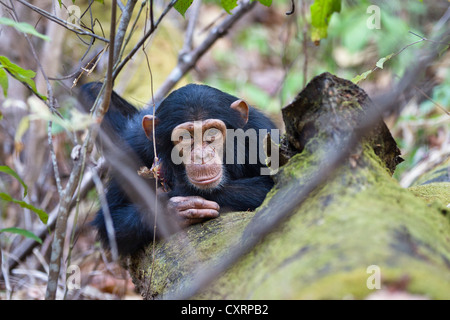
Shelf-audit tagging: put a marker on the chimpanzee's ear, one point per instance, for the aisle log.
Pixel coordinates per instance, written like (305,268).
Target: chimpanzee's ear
(147,125)
(242,107)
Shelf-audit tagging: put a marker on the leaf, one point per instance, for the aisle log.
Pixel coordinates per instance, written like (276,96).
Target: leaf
(361,77)
(267,3)
(4,82)
(182,5)
(380,62)
(43,216)
(23,75)
(23,27)
(321,11)
(23,126)
(11,172)
(228,5)
(22,232)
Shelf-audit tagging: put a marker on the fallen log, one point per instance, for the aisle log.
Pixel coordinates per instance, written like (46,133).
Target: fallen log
(358,234)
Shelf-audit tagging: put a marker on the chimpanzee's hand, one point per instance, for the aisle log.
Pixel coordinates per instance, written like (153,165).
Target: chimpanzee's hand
(193,209)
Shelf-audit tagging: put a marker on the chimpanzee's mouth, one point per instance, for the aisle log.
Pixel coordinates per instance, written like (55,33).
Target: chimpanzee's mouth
(207,181)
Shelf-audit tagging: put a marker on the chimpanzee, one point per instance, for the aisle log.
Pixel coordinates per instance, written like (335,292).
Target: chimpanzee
(194,128)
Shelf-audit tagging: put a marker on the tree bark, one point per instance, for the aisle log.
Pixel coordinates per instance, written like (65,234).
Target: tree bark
(358,235)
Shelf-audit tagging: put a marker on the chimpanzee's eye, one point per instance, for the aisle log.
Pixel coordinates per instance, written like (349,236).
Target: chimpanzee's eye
(185,137)
(211,134)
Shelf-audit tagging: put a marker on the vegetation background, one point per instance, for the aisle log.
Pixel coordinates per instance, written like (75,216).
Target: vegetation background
(266,58)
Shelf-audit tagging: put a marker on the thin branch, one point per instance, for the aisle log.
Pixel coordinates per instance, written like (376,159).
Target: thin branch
(50,103)
(189,60)
(188,39)
(107,215)
(127,12)
(142,40)
(25,248)
(75,175)
(69,26)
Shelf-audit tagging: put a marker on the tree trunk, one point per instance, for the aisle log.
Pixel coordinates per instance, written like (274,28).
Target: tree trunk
(357,235)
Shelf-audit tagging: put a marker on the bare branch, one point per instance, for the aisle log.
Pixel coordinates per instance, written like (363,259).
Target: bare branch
(189,60)
(127,11)
(75,175)
(25,248)
(142,40)
(187,45)
(69,26)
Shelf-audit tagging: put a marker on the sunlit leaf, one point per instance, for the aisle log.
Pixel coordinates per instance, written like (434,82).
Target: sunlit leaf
(182,5)
(23,75)
(23,27)
(22,232)
(11,172)
(4,82)
(228,5)
(43,216)
(321,11)
(361,77)
(267,3)
(381,62)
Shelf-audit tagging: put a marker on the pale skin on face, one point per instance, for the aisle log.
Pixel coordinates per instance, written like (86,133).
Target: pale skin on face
(204,140)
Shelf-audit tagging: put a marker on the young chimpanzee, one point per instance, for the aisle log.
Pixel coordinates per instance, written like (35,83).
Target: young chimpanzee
(195,128)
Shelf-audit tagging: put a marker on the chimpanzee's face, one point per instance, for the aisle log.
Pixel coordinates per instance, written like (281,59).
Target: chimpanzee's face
(199,146)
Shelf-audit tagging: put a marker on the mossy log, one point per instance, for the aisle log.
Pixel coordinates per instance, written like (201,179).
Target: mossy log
(359,217)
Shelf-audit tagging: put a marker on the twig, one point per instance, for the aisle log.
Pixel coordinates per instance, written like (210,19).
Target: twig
(75,175)
(292,8)
(187,45)
(142,40)
(127,12)
(305,42)
(25,248)
(107,215)
(189,60)
(50,104)
(63,23)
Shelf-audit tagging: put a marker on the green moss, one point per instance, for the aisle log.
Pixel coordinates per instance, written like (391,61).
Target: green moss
(433,193)
(359,217)
(323,250)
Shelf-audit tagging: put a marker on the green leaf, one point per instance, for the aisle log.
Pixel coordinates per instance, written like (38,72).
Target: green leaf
(23,75)
(381,62)
(321,11)
(361,77)
(11,172)
(267,3)
(4,82)
(228,5)
(23,27)
(43,216)
(22,232)
(182,5)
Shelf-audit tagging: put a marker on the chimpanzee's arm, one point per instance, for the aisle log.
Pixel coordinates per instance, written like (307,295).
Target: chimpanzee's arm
(235,195)
(131,231)
(244,194)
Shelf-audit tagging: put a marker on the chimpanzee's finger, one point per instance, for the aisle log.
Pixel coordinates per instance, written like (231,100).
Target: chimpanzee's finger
(193,202)
(198,214)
